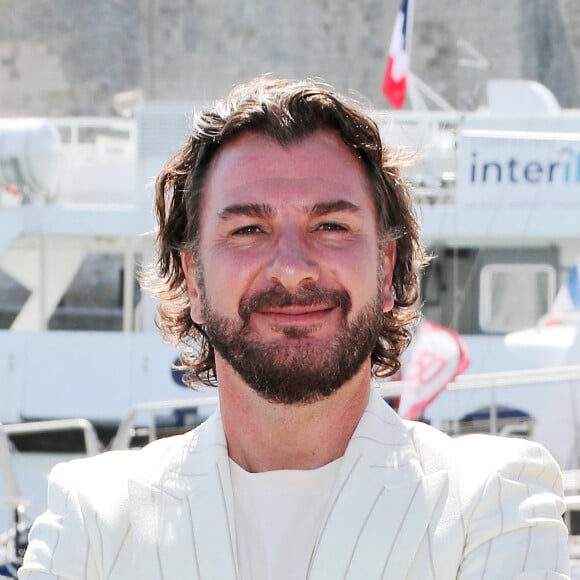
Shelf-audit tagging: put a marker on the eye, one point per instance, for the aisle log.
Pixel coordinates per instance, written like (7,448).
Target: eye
(331,227)
(247,230)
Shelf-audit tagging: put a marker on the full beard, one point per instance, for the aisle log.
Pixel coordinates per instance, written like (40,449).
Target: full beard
(297,369)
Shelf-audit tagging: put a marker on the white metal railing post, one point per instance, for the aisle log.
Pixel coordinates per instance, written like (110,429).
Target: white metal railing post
(493,412)
(573,404)
(122,439)
(7,469)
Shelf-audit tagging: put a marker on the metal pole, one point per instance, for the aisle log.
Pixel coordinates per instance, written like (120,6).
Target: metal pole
(42,283)
(7,475)
(493,413)
(574,424)
(128,288)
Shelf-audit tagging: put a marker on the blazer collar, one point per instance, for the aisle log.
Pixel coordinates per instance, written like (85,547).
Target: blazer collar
(377,514)
(382,503)
(182,516)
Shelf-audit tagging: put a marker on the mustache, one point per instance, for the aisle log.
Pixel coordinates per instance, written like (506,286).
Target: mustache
(306,295)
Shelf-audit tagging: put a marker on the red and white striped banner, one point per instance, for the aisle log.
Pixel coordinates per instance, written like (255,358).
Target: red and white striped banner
(437,356)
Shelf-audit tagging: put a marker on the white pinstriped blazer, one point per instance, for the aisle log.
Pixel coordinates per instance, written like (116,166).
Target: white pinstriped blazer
(409,503)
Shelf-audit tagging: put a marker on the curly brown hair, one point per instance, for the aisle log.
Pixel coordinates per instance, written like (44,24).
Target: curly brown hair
(285,111)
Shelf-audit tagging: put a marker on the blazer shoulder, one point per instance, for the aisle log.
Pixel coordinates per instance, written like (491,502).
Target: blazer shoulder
(112,468)
(474,459)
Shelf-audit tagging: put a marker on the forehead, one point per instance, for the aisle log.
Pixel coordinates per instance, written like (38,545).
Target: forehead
(254,168)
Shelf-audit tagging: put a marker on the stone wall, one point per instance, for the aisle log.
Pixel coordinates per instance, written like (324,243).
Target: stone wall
(70,57)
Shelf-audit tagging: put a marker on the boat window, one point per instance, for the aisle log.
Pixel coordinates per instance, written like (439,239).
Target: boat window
(447,288)
(94,300)
(514,296)
(14,296)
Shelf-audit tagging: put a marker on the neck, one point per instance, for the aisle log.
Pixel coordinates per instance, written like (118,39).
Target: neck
(264,436)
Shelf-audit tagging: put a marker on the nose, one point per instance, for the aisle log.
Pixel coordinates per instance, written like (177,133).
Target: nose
(292,263)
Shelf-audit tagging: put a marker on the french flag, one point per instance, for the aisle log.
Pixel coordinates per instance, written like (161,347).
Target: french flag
(395,82)
(568,297)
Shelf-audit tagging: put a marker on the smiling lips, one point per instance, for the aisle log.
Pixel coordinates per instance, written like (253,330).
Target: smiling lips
(309,305)
(296,314)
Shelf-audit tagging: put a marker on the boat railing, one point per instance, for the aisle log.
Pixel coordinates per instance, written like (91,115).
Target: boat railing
(82,131)
(127,428)
(515,378)
(90,160)
(493,381)
(12,495)
(571,485)
(92,444)
(496,379)
(98,160)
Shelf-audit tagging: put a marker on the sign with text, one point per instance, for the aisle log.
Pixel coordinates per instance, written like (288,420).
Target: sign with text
(518,169)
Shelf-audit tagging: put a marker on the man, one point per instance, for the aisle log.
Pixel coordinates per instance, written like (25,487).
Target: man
(288,271)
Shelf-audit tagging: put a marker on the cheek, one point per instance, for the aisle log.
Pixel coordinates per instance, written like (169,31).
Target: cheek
(228,279)
(359,275)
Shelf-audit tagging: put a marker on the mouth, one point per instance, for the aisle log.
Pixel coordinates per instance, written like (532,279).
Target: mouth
(295,315)
(308,308)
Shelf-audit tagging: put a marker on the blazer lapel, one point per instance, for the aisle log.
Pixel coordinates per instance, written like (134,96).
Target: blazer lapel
(381,506)
(182,520)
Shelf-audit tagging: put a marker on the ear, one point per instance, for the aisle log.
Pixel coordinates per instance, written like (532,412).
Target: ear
(188,265)
(389,261)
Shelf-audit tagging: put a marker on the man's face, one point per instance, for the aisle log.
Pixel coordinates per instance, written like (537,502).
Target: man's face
(288,278)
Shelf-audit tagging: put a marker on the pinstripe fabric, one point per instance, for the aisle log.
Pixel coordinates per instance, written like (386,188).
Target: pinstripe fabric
(193,542)
(409,503)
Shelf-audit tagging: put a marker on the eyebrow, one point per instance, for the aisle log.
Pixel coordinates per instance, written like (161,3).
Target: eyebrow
(257,210)
(263,210)
(339,205)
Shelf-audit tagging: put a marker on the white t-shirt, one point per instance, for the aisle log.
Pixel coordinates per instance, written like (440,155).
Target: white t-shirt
(278,518)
